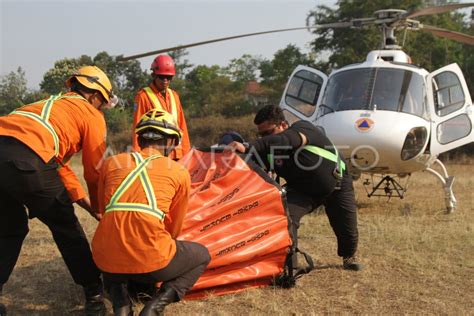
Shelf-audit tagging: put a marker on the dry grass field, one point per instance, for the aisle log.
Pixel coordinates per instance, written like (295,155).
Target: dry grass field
(417,260)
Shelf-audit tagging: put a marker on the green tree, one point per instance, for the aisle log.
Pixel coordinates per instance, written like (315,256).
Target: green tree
(467,64)
(275,73)
(209,91)
(34,96)
(54,78)
(182,67)
(200,84)
(347,45)
(432,52)
(181,63)
(13,91)
(243,69)
(127,76)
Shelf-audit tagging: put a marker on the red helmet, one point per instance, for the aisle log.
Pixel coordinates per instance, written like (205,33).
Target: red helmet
(163,65)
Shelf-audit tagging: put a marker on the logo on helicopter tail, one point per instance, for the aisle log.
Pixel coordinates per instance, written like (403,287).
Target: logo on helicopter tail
(364,124)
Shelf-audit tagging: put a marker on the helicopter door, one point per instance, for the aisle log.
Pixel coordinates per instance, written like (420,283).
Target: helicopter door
(302,93)
(451,109)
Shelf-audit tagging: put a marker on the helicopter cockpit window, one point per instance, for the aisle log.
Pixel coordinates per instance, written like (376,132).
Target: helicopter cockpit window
(448,93)
(398,90)
(348,90)
(386,89)
(303,92)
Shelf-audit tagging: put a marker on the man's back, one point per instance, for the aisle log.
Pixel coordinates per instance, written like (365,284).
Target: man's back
(144,242)
(302,170)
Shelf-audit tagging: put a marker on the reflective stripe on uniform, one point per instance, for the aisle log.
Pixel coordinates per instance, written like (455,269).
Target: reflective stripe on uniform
(140,171)
(43,118)
(326,154)
(157,104)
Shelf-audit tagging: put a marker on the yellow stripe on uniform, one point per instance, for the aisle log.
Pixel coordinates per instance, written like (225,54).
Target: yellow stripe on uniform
(157,104)
(139,171)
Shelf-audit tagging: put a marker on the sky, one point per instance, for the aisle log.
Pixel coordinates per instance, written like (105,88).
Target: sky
(35,34)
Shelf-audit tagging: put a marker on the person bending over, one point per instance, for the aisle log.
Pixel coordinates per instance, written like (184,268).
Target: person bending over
(315,174)
(144,198)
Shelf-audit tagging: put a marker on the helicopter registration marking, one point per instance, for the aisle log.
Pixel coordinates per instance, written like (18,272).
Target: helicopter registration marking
(364,124)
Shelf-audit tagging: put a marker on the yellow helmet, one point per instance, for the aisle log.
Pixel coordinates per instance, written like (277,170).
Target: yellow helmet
(93,78)
(158,121)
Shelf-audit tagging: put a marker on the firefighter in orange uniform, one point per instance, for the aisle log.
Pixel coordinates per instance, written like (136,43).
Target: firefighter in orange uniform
(144,199)
(36,143)
(158,95)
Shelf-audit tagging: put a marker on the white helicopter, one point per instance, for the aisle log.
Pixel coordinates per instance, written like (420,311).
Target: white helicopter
(387,116)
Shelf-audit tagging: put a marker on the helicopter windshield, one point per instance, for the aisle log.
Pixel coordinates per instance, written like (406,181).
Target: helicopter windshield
(386,89)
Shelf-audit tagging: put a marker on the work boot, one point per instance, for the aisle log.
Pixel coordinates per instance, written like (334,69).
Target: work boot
(351,263)
(3,309)
(156,306)
(94,300)
(120,300)
(141,292)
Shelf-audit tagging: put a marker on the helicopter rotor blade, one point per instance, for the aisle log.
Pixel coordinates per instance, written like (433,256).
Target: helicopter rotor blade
(329,25)
(356,23)
(361,22)
(455,36)
(436,10)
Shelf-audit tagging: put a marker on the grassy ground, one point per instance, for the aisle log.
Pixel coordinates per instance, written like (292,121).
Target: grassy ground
(417,260)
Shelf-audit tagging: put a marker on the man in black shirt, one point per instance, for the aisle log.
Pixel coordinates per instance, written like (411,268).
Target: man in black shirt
(314,172)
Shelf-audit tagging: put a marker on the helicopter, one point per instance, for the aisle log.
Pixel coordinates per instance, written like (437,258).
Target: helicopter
(387,116)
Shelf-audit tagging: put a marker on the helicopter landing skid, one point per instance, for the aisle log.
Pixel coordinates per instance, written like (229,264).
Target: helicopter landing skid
(447,182)
(387,186)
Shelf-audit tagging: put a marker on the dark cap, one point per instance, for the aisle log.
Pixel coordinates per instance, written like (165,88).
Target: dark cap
(230,137)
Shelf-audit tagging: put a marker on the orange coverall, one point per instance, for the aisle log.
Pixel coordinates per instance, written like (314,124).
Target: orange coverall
(79,126)
(143,104)
(133,241)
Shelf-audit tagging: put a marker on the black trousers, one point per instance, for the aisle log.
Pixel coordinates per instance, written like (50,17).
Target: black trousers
(341,211)
(29,182)
(187,265)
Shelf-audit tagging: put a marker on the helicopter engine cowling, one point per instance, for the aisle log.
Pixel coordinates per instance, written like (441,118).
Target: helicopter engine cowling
(389,55)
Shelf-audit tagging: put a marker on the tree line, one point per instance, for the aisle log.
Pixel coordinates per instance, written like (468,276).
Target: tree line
(204,89)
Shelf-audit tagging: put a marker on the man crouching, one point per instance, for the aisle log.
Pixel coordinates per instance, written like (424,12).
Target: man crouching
(144,198)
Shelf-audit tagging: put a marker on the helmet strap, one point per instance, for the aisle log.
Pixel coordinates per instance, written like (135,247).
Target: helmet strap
(169,149)
(84,92)
(87,96)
